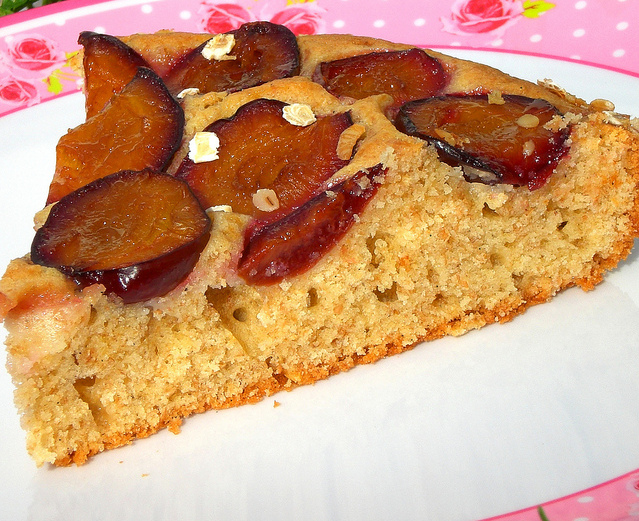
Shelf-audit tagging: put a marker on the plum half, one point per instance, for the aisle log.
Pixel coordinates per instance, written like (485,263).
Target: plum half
(137,233)
(260,150)
(140,128)
(295,243)
(405,75)
(109,65)
(501,139)
(262,52)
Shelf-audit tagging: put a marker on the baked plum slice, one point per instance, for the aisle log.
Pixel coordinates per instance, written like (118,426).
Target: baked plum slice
(137,233)
(501,139)
(405,75)
(140,128)
(296,242)
(262,154)
(258,52)
(109,65)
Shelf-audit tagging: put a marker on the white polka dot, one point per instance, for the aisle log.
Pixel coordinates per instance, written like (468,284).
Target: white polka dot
(586,499)
(581,5)
(338,24)
(497,42)
(379,23)
(579,33)
(455,44)
(581,519)
(622,26)
(535,38)
(622,0)
(576,57)
(185,15)
(146,9)
(60,21)
(99,29)
(618,53)
(420,22)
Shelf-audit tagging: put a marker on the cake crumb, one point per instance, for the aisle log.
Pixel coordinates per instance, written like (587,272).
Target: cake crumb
(558,123)
(276,403)
(495,98)
(174,425)
(219,47)
(225,208)
(529,148)
(191,91)
(299,114)
(204,147)
(612,118)
(266,200)
(285,285)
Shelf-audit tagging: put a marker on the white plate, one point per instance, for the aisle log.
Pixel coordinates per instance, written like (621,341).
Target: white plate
(458,429)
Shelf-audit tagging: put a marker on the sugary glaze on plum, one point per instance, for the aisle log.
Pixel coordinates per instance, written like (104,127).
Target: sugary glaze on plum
(505,135)
(259,149)
(260,152)
(404,75)
(137,233)
(262,52)
(109,65)
(287,247)
(140,128)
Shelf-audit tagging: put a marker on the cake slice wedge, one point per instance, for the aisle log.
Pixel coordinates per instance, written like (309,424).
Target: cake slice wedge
(404,236)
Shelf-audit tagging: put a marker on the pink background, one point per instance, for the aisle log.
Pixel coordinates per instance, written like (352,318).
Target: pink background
(34,46)
(603,33)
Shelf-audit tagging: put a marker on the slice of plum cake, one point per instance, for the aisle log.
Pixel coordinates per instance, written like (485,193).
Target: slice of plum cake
(244,213)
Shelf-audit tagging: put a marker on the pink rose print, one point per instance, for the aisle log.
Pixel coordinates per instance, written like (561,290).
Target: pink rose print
(18,92)
(301,19)
(222,17)
(482,16)
(34,53)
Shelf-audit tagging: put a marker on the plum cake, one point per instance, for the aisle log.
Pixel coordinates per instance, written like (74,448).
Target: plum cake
(243,213)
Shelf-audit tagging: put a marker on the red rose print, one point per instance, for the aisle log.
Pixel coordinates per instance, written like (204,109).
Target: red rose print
(18,92)
(34,53)
(301,19)
(222,17)
(482,16)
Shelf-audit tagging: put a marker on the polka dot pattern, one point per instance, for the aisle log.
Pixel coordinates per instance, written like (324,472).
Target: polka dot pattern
(595,31)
